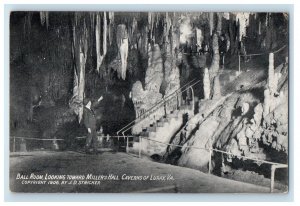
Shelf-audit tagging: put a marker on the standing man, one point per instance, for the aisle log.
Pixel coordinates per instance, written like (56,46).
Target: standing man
(89,121)
(222,49)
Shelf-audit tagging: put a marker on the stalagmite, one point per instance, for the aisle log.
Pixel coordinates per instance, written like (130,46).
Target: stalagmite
(277,76)
(245,108)
(242,140)
(215,65)
(270,100)
(206,84)
(278,99)
(258,111)
(216,88)
(267,102)
(271,74)
(102,44)
(122,42)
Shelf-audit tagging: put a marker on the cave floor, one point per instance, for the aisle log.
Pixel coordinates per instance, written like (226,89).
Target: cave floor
(184,180)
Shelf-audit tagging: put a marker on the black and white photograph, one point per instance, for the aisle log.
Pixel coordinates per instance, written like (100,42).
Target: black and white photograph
(148,102)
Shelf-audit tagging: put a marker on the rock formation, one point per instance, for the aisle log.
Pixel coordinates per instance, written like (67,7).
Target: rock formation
(144,99)
(241,124)
(191,157)
(237,124)
(271,75)
(206,84)
(245,108)
(101,31)
(154,72)
(215,65)
(122,42)
(44,17)
(80,47)
(243,19)
(211,23)
(171,76)
(216,88)
(271,96)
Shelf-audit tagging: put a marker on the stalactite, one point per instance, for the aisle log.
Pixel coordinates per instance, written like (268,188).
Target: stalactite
(27,23)
(226,15)
(92,20)
(168,24)
(211,23)
(100,44)
(104,30)
(151,24)
(219,24)
(267,19)
(143,41)
(80,48)
(243,18)
(44,17)
(122,42)
(47,20)
(134,26)
(111,23)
